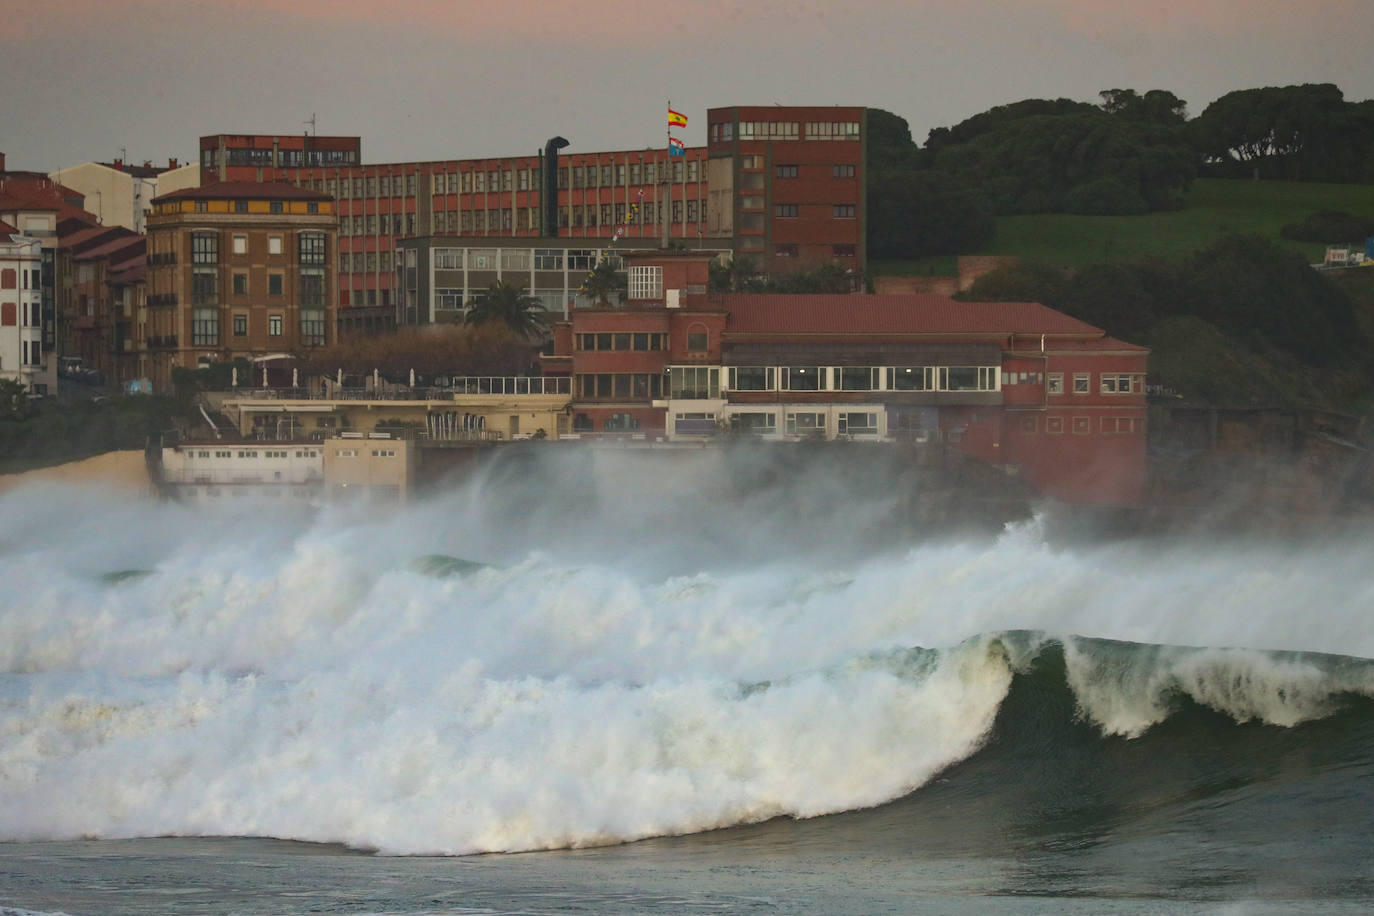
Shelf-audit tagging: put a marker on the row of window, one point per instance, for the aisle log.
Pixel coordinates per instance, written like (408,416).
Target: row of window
(253,453)
(791,250)
(799,423)
(1108,383)
(837,170)
(239,206)
(791,211)
(624,385)
(376,452)
(861,378)
(724,131)
(23,315)
(1083,426)
(642,341)
(514,258)
(205,327)
(205,247)
(10,278)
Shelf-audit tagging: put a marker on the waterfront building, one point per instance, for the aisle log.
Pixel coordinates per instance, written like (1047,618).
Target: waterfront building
(237,270)
(22,357)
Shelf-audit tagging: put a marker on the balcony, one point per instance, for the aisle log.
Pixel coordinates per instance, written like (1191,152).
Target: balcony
(166,342)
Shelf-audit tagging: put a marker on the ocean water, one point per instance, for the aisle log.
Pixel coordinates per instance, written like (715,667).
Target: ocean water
(589,681)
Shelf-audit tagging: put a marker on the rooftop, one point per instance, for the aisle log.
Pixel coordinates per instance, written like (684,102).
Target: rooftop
(244,190)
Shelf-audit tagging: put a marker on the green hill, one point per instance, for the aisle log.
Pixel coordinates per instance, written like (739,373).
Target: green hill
(1215,208)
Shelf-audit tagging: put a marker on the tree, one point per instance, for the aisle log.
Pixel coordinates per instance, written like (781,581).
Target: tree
(739,275)
(508,304)
(14,400)
(1297,133)
(916,213)
(605,281)
(1028,281)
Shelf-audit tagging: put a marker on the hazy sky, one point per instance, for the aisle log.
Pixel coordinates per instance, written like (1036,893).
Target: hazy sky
(437,79)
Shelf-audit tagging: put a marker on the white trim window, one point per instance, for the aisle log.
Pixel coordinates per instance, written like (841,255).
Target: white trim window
(646,282)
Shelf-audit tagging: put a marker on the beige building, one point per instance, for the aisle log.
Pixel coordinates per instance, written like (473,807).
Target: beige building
(487,408)
(119,193)
(238,270)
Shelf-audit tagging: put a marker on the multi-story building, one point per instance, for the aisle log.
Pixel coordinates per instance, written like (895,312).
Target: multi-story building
(237,269)
(22,357)
(787,183)
(789,191)
(1016,385)
(99,269)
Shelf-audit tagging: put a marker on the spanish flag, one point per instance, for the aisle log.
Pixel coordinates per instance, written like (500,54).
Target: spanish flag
(676,118)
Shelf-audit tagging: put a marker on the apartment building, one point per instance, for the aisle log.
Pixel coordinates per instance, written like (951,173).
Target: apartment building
(237,270)
(22,357)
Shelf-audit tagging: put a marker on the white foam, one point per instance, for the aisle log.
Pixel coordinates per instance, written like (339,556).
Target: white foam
(294,676)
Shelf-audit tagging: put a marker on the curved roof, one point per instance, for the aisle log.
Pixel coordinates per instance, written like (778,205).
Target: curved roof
(244,190)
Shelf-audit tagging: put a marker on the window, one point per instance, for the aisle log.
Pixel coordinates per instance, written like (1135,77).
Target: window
(312,248)
(240,325)
(785,211)
(693,382)
(842,211)
(1054,426)
(646,282)
(805,424)
(204,248)
(856,423)
(755,423)
(274,282)
(312,327)
(858,378)
(548,259)
(1080,383)
(785,251)
(751,378)
(240,284)
(240,244)
(1121,426)
(696,341)
(1120,383)
(967,378)
(205,327)
(274,206)
(845,251)
(842,171)
(274,244)
(1082,426)
(240,206)
(802,378)
(1056,384)
(786,171)
(274,325)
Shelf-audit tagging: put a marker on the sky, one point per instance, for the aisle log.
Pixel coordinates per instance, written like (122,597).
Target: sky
(446,79)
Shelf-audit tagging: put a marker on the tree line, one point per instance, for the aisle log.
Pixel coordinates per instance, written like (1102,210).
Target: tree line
(1130,153)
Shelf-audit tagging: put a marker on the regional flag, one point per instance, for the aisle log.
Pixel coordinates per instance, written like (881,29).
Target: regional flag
(675,147)
(676,118)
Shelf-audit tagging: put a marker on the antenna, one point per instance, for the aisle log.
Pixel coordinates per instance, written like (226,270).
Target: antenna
(311,123)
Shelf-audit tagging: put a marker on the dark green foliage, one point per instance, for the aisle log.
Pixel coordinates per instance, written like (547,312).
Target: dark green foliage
(605,282)
(996,118)
(889,142)
(506,303)
(1125,298)
(740,275)
(1296,133)
(14,400)
(825,278)
(1106,196)
(1026,282)
(1031,164)
(914,214)
(1257,291)
(1158,105)
(1330,227)
(57,432)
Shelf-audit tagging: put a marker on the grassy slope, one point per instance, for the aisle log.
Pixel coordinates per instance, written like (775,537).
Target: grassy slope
(1215,208)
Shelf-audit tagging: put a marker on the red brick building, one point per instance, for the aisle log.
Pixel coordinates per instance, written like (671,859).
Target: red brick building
(1013,384)
(784,185)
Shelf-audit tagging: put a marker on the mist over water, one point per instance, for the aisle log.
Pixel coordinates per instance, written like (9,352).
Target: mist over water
(651,645)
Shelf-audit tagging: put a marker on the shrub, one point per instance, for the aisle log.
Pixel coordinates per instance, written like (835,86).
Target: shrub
(1104,197)
(1329,227)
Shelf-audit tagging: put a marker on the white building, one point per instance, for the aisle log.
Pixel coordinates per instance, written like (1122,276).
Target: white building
(119,193)
(21,312)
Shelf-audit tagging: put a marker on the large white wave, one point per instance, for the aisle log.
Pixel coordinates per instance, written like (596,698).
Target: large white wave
(613,675)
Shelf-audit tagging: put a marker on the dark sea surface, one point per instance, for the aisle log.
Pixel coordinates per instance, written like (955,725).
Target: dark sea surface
(661,695)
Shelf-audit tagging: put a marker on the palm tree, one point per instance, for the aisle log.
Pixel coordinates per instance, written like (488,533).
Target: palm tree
(604,280)
(506,303)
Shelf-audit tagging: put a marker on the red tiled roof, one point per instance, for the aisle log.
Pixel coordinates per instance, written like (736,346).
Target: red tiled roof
(20,201)
(233,190)
(111,247)
(7,229)
(1102,343)
(85,236)
(915,314)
